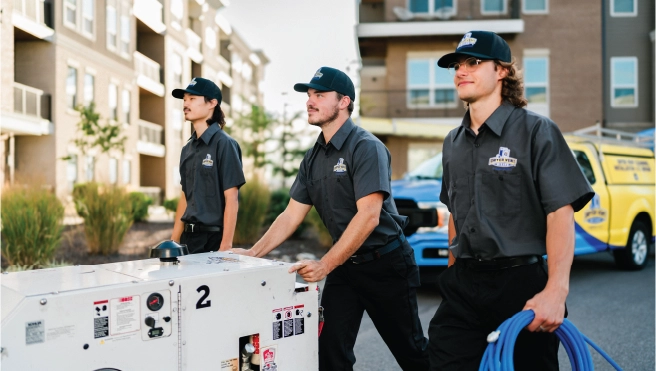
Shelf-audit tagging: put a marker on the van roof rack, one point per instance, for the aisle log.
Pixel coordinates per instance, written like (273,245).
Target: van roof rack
(610,136)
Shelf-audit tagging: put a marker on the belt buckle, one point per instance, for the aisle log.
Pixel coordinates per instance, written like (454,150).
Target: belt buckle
(353,259)
(192,227)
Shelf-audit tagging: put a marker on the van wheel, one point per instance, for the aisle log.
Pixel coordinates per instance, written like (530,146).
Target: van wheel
(634,255)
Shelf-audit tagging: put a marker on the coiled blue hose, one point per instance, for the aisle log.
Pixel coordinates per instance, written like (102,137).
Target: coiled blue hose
(499,353)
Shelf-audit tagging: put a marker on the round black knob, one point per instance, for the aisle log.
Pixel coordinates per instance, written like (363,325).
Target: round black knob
(150,322)
(168,251)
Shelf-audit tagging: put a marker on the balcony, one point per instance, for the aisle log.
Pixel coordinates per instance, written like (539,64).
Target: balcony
(150,13)
(193,46)
(30,108)
(31,16)
(438,28)
(149,74)
(429,128)
(150,139)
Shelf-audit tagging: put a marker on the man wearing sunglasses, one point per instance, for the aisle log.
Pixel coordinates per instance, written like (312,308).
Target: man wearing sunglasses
(512,187)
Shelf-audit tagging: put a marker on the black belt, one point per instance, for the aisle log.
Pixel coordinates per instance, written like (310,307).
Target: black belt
(376,254)
(194,228)
(496,264)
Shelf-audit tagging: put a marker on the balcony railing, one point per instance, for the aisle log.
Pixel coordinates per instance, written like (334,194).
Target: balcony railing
(193,46)
(149,74)
(31,9)
(29,101)
(149,132)
(406,103)
(150,13)
(34,17)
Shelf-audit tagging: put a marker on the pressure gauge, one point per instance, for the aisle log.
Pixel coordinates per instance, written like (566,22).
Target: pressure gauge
(155,302)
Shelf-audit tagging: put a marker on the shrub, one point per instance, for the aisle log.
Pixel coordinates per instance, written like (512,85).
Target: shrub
(31,226)
(43,265)
(253,204)
(171,204)
(140,203)
(107,214)
(315,220)
(279,201)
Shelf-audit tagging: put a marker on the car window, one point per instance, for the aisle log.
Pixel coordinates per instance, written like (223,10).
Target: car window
(585,165)
(429,169)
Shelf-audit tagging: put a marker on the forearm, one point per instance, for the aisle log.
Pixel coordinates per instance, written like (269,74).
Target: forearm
(229,222)
(360,227)
(178,224)
(451,235)
(560,249)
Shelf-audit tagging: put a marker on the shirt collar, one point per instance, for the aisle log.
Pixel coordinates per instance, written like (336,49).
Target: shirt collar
(495,122)
(340,136)
(208,133)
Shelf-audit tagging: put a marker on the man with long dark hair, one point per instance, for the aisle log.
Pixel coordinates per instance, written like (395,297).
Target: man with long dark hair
(210,171)
(512,186)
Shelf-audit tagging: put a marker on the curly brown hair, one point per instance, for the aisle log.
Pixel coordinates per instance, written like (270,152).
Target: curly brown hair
(513,84)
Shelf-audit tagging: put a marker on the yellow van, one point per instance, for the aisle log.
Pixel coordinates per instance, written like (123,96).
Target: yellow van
(620,218)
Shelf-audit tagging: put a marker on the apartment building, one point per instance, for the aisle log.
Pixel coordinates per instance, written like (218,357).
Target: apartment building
(124,55)
(411,104)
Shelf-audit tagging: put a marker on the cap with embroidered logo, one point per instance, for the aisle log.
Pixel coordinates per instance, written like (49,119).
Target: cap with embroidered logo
(200,86)
(329,79)
(479,44)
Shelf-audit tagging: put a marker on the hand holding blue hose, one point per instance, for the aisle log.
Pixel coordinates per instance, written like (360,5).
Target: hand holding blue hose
(499,353)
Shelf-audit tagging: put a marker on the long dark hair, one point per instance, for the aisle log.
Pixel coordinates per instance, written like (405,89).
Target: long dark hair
(513,85)
(217,116)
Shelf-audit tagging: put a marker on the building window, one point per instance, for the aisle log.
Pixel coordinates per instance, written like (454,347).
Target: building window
(178,118)
(535,6)
(177,68)
(89,168)
(429,85)
(71,171)
(177,10)
(623,8)
(89,84)
(624,81)
(113,171)
(71,87)
(111,27)
(113,102)
(432,7)
(70,12)
(125,35)
(87,17)
(125,105)
(127,171)
(536,84)
(493,7)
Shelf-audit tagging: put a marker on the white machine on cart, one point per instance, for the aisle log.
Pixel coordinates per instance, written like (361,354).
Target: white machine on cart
(212,311)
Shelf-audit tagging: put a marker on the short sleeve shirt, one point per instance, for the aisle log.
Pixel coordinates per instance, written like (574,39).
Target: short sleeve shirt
(501,184)
(333,176)
(209,165)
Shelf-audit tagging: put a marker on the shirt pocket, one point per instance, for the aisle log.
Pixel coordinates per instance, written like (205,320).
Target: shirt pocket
(341,194)
(501,194)
(459,197)
(208,180)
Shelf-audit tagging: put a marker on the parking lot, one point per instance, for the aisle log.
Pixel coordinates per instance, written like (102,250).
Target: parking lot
(614,308)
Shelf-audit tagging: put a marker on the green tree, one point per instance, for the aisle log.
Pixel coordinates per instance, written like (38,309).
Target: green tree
(289,147)
(255,127)
(92,134)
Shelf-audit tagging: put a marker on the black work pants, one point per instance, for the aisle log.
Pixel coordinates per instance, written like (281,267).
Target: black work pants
(199,242)
(475,303)
(386,289)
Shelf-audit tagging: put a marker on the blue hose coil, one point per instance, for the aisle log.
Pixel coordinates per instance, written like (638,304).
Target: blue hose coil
(499,353)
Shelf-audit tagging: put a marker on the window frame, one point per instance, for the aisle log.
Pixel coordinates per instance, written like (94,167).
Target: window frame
(431,8)
(545,11)
(113,115)
(125,113)
(431,86)
(111,47)
(113,170)
(613,86)
(542,108)
(67,5)
(75,95)
(93,88)
(613,13)
(126,171)
(83,19)
(487,12)
(89,168)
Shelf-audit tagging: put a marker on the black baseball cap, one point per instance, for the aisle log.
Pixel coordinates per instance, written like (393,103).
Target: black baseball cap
(329,79)
(479,44)
(200,86)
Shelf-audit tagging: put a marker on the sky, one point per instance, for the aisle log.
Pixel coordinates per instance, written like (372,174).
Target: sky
(298,37)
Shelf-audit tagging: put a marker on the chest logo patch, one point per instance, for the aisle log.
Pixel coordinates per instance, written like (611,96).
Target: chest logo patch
(340,167)
(503,160)
(207,162)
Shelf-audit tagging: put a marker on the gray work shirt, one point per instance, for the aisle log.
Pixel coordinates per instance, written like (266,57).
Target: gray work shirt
(208,166)
(334,175)
(500,185)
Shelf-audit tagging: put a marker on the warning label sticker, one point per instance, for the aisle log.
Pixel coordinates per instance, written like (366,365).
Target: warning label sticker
(230,365)
(277,323)
(288,321)
(35,332)
(299,321)
(220,259)
(59,332)
(124,315)
(100,319)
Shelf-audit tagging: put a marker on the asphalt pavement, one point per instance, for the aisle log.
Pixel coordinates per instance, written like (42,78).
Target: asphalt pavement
(614,308)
